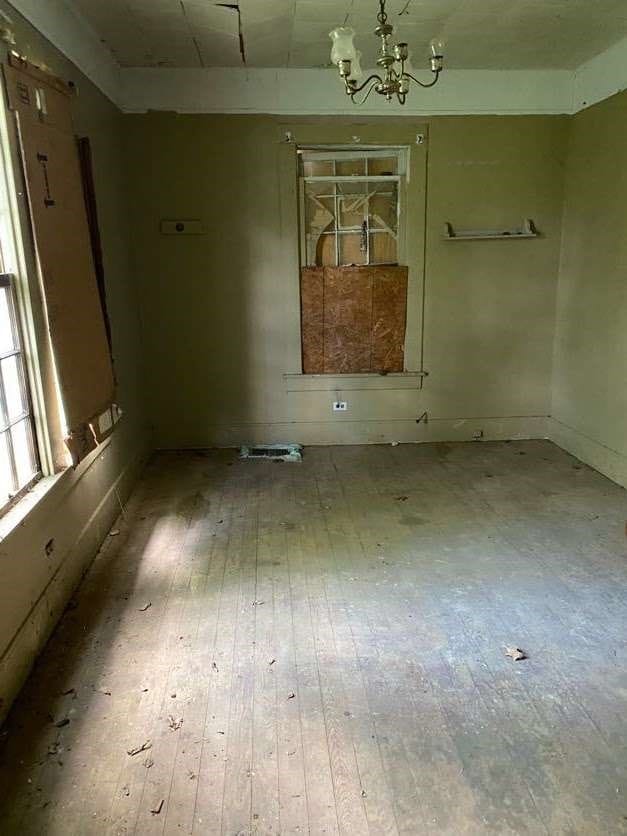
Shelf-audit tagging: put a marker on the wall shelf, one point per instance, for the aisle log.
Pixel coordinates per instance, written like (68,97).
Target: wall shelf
(528,230)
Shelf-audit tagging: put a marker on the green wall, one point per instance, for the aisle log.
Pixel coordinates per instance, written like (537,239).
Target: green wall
(590,368)
(221,309)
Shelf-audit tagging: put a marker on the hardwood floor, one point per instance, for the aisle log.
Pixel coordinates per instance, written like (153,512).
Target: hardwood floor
(320,648)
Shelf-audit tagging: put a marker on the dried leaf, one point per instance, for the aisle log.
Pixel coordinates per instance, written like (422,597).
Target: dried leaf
(516,653)
(145,607)
(175,723)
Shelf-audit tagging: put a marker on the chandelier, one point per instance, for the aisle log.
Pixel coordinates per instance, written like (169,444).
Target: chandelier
(394,79)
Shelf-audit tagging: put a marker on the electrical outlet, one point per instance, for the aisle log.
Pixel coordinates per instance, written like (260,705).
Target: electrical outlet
(340,406)
(477,435)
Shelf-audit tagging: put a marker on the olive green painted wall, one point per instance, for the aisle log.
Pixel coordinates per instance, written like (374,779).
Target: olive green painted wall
(221,310)
(590,379)
(79,507)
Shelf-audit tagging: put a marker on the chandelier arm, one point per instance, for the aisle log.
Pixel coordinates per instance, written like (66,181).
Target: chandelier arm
(352,90)
(365,98)
(422,83)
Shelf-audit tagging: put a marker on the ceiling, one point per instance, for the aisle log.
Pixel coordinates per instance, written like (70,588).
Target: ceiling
(479,34)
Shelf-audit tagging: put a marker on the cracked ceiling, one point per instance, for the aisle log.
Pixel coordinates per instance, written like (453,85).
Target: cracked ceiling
(489,34)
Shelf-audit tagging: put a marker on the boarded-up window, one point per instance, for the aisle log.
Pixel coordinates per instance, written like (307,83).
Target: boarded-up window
(353,293)
(353,319)
(42,105)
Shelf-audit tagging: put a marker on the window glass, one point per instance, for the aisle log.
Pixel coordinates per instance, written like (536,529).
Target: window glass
(351,207)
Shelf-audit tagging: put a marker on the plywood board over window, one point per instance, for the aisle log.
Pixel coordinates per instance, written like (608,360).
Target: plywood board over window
(353,319)
(42,105)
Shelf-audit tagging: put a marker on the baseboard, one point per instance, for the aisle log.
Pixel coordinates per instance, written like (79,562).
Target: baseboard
(609,462)
(347,431)
(18,659)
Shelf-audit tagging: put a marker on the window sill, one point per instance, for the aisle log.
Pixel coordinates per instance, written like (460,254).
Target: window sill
(16,515)
(353,382)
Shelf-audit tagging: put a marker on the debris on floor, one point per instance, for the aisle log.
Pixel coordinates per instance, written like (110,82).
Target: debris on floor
(274,452)
(175,723)
(148,763)
(291,696)
(142,748)
(401,498)
(158,807)
(64,722)
(114,533)
(214,667)
(516,653)
(146,606)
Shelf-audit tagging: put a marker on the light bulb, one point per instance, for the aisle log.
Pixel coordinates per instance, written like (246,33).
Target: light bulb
(437,48)
(343,48)
(356,71)
(436,59)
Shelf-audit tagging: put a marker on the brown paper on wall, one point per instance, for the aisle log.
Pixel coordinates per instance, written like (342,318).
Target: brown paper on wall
(58,215)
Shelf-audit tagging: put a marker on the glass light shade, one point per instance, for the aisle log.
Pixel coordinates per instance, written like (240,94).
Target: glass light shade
(343,48)
(356,70)
(437,48)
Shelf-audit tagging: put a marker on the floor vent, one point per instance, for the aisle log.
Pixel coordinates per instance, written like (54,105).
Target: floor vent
(274,452)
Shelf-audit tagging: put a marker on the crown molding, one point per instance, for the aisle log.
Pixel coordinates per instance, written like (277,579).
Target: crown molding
(61,23)
(320,92)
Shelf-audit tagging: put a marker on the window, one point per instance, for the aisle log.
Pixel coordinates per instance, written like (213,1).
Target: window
(19,464)
(350,206)
(353,290)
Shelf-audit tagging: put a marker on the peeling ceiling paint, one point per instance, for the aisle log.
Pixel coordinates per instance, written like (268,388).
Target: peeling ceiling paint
(480,34)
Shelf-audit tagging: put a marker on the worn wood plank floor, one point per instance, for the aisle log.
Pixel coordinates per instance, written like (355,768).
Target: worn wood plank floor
(319,648)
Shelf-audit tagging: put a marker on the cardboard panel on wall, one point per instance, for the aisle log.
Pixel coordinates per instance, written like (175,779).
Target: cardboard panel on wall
(75,319)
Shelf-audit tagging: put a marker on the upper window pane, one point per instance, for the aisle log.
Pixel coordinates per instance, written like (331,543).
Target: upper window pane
(350,207)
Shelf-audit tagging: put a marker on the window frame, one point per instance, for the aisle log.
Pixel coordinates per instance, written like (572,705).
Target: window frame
(339,153)
(20,263)
(7,284)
